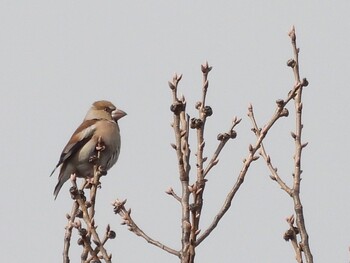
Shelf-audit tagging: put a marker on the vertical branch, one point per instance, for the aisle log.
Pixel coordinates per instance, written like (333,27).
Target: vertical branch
(68,233)
(304,243)
(96,179)
(75,212)
(182,151)
(204,111)
(92,245)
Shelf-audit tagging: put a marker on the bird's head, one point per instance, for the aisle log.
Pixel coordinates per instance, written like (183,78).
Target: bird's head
(104,109)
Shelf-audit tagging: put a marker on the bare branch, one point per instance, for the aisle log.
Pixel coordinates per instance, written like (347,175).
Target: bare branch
(298,149)
(266,157)
(68,233)
(171,192)
(86,210)
(181,131)
(223,138)
(120,209)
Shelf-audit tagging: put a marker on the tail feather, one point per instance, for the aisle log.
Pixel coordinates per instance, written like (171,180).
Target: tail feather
(58,188)
(62,178)
(53,171)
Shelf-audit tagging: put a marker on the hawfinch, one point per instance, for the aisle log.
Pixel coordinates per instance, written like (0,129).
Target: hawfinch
(100,121)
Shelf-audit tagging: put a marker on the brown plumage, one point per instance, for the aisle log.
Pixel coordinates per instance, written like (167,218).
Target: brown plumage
(100,121)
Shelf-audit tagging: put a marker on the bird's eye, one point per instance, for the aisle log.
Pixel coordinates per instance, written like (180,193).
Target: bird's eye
(107,109)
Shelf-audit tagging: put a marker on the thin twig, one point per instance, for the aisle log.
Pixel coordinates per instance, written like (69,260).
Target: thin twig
(91,227)
(87,212)
(291,235)
(267,158)
(68,233)
(120,209)
(223,138)
(171,192)
(178,108)
(304,243)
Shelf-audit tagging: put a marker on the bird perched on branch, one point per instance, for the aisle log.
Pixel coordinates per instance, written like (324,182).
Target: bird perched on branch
(101,121)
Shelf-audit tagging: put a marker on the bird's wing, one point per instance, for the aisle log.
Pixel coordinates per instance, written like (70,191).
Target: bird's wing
(79,138)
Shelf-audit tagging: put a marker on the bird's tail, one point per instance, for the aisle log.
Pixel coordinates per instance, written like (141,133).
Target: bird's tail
(62,178)
(53,171)
(58,188)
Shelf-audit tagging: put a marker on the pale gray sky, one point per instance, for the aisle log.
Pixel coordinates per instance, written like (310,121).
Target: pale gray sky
(57,57)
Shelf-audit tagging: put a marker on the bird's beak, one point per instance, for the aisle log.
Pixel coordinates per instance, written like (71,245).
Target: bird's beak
(118,114)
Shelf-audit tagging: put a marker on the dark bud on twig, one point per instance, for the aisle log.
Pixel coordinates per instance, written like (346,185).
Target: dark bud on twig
(288,235)
(255,158)
(196,123)
(82,195)
(80,242)
(291,63)
(73,192)
(233,134)
(280,103)
(177,107)
(293,135)
(251,148)
(207,110)
(169,191)
(304,145)
(273,178)
(79,213)
(304,82)
(284,113)
(173,146)
(220,137)
(83,232)
(225,136)
(111,234)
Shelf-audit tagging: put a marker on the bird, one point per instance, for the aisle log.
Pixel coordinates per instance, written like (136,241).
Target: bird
(101,121)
